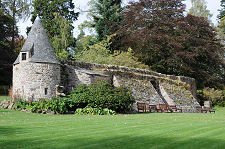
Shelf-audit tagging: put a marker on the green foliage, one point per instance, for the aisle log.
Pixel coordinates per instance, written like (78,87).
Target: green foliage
(99,95)
(100,53)
(222,10)
(102,95)
(57,18)
(58,105)
(94,111)
(210,94)
(221,26)
(199,8)
(17,9)
(64,39)
(21,104)
(106,15)
(46,9)
(172,43)
(83,43)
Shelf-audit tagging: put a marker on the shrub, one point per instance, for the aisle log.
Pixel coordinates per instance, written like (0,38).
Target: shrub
(210,94)
(94,111)
(21,104)
(58,105)
(102,95)
(99,95)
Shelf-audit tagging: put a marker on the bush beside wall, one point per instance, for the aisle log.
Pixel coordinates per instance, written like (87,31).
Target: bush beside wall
(210,94)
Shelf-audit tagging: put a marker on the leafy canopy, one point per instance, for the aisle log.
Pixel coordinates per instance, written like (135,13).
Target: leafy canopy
(199,8)
(100,53)
(171,43)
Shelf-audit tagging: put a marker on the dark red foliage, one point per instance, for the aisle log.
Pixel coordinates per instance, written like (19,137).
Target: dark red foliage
(163,38)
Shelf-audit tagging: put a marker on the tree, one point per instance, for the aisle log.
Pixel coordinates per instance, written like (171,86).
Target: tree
(199,8)
(6,54)
(17,9)
(59,31)
(106,15)
(171,43)
(64,39)
(46,9)
(221,17)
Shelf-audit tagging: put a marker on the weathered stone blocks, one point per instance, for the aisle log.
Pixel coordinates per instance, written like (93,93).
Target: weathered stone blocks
(32,81)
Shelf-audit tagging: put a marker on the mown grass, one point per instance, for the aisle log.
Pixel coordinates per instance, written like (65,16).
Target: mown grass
(136,131)
(4,97)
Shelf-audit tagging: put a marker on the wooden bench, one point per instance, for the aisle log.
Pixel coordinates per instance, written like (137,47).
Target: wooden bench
(153,108)
(199,109)
(175,109)
(141,107)
(162,108)
(208,109)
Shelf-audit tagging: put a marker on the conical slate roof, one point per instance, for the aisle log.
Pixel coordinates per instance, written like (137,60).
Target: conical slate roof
(38,44)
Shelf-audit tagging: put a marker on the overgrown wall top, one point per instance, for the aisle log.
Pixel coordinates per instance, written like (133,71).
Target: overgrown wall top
(135,72)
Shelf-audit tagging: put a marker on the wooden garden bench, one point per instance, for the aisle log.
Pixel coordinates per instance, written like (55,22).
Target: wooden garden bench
(175,109)
(208,109)
(141,106)
(199,109)
(162,108)
(153,108)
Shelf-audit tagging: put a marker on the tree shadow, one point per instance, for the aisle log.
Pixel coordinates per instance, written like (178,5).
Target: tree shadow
(120,142)
(8,131)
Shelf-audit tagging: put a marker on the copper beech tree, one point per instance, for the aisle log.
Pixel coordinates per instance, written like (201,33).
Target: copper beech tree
(162,37)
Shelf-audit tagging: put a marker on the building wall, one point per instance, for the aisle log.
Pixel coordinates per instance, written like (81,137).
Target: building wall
(30,80)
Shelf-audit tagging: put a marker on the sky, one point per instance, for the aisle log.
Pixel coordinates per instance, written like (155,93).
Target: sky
(213,6)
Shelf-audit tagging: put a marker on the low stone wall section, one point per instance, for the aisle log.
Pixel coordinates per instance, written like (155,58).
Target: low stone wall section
(72,76)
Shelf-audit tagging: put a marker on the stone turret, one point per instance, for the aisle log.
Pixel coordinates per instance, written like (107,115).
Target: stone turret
(36,71)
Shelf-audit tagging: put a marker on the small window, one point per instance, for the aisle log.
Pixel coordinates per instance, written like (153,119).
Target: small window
(32,51)
(46,91)
(24,56)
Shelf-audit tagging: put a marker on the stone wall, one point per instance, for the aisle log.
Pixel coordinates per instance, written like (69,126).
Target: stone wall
(144,84)
(32,81)
(72,76)
(182,97)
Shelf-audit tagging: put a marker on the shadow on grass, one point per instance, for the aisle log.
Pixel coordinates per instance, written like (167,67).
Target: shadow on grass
(107,142)
(9,131)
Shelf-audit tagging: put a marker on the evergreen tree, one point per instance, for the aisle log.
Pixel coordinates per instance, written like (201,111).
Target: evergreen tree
(106,16)
(50,11)
(199,8)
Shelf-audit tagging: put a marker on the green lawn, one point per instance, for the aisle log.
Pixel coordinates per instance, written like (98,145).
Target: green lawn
(20,130)
(3,97)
